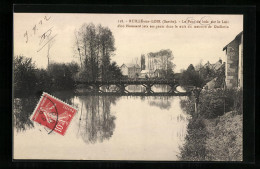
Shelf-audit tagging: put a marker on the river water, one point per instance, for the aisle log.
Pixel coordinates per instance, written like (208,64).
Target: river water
(105,128)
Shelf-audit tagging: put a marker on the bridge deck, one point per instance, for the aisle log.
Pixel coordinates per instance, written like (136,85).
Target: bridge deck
(133,94)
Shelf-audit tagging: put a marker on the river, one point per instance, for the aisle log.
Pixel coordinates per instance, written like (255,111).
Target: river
(105,128)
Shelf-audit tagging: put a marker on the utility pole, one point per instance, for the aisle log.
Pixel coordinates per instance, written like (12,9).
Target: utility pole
(48,54)
(48,51)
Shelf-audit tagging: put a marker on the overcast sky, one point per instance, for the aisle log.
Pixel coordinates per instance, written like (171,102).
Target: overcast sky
(188,45)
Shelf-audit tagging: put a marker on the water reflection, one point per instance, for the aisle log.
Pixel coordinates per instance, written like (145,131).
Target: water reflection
(24,107)
(22,111)
(161,88)
(125,127)
(161,102)
(96,123)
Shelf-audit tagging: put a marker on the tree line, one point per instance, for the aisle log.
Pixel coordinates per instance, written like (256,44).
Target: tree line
(200,75)
(94,45)
(29,80)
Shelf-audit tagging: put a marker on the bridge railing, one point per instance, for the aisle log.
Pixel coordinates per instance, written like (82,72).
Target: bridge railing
(130,80)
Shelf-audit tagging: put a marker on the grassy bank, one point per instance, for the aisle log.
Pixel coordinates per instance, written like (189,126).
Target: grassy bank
(224,137)
(215,132)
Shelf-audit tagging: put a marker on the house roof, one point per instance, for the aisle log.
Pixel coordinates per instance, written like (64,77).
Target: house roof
(238,36)
(123,65)
(215,66)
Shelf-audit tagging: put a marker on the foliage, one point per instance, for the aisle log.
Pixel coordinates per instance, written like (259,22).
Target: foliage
(168,74)
(44,80)
(234,97)
(187,105)
(207,73)
(62,75)
(215,133)
(96,45)
(218,139)
(113,72)
(220,74)
(98,124)
(29,80)
(24,76)
(224,141)
(22,110)
(194,148)
(190,77)
(214,103)
(163,58)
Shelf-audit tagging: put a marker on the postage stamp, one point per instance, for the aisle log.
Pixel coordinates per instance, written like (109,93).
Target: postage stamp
(53,114)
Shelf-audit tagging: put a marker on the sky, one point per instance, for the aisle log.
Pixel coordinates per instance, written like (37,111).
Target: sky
(188,45)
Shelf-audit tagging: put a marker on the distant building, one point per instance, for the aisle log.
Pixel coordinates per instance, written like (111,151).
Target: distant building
(158,73)
(154,63)
(217,65)
(214,66)
(211,84)
(124,70)
(131,70)
(144,74)
(142,62)
(234,63)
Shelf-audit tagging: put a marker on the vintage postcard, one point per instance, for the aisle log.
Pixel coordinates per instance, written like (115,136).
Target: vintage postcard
(152,87)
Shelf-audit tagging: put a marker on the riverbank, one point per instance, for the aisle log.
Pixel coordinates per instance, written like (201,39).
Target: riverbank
(215,133)
(225,137)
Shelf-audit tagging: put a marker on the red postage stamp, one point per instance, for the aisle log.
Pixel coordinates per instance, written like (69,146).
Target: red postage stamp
(53,114)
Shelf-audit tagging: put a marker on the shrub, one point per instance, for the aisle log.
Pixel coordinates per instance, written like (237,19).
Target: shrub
(194,148)
(24,76)
(44,80)
(190,77)
(28,80)
(214,103)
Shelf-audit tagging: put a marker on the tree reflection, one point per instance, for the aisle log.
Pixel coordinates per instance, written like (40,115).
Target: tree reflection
(65,96)
(22,110)
(24,107)
(96,123)
(161,102)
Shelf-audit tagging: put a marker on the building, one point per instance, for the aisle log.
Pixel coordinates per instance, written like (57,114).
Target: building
(158,73)
(216,66)
(142,62)
(155,63)
(234,62)
(124,70)
(144,74)
(211,84)
(131,70)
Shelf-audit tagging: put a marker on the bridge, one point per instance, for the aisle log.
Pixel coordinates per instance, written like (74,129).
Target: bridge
(94,87)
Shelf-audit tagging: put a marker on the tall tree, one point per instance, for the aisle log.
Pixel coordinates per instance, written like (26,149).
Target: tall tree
(190,77)
(24,76)
(95,45)
(161,59)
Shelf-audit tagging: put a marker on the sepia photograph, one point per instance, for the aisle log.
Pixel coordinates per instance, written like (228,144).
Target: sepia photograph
(142,87)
